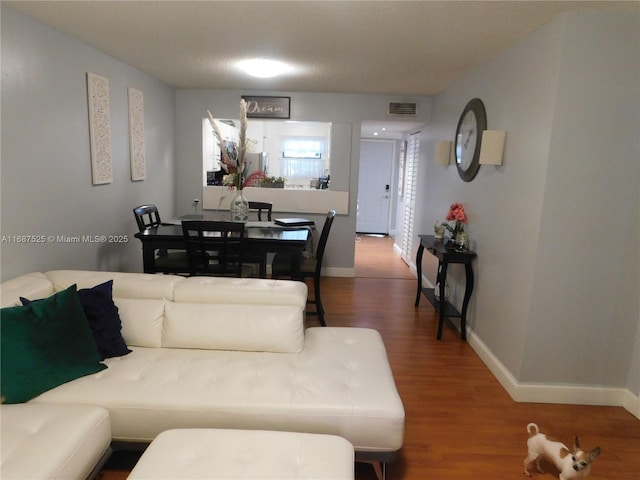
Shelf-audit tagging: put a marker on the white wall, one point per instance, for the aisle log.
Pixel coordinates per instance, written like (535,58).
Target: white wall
(46,166)
(591,193)
(503,204)
(556,226)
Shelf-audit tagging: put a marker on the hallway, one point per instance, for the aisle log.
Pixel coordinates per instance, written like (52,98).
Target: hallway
(375,258)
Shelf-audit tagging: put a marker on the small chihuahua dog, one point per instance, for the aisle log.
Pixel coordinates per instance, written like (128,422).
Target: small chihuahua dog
(574,465)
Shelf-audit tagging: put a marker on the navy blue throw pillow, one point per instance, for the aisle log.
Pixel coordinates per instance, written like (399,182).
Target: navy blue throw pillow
(104,320)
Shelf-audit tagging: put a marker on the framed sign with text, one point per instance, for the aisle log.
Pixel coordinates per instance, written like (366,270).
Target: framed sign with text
(268,107)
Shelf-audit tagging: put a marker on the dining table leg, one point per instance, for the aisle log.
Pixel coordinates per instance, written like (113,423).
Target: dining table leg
(263,266)
(148,258)
(295,267)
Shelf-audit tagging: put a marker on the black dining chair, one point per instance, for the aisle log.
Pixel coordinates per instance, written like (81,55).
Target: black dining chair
(215,248)
(310,267)
(260,207)
(147,216)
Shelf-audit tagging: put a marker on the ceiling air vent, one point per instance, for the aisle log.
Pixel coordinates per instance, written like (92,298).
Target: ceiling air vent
(402,108)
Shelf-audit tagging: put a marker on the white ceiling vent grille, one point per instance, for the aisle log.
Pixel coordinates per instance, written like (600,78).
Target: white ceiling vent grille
(402,108)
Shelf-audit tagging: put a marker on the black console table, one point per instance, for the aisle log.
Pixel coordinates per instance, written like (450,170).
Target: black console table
(445,256)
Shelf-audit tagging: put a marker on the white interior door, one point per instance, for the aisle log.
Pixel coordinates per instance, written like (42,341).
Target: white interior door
(374,186)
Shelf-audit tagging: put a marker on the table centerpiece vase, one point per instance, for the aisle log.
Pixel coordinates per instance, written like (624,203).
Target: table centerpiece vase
(239,208)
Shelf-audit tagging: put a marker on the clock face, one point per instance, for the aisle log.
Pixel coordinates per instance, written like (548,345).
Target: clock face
(466,140)
(472,123)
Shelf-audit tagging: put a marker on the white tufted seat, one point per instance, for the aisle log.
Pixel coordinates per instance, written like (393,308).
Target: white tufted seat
(340,383)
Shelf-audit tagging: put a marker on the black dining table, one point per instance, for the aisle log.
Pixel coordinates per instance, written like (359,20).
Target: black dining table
(260,238)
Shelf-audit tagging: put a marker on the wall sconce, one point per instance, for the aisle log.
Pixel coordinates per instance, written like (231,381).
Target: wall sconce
(443,152)
(492,147)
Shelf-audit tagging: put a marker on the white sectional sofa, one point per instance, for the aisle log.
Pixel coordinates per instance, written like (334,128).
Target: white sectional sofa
(211,352)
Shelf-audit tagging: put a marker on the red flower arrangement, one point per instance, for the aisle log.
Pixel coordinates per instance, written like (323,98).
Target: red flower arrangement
(456,214)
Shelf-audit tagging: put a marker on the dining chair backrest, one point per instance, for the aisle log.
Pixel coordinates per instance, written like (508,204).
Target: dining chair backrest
(214,248)
(147,216)
(260,207)
(310,267)
(322,241)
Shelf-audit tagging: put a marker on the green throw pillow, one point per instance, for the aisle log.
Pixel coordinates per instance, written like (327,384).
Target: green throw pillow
(45,344)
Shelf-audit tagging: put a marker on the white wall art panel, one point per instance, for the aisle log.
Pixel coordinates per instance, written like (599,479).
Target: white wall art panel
(99,129)
(136,134)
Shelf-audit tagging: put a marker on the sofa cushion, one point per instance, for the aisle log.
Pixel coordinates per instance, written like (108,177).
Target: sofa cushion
(31,285)
(340,383)
(256,328)
(202,289)
(62,442)
(45,344)
(142,321)
(125,285)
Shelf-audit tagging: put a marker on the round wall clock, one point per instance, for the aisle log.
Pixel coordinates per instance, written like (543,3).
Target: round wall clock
(472,123)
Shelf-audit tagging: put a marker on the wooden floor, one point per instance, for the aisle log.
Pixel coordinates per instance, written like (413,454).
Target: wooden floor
(460,423)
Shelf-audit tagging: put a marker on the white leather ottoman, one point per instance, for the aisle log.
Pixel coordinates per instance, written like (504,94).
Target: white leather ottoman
(245,454)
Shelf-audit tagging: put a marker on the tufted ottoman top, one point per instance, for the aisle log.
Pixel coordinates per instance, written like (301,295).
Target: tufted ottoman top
(245,454)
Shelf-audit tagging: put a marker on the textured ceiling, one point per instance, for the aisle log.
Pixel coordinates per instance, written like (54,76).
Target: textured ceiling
(399,48)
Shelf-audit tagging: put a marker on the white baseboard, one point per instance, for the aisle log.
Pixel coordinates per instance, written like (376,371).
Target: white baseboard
(543,393)
(631,403)
(329,272)
(338,272)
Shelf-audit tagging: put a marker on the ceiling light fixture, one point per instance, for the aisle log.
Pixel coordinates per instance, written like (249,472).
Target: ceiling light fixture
(263,68)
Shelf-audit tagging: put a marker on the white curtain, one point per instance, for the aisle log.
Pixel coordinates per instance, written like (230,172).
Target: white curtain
(303,167)
(411,175)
